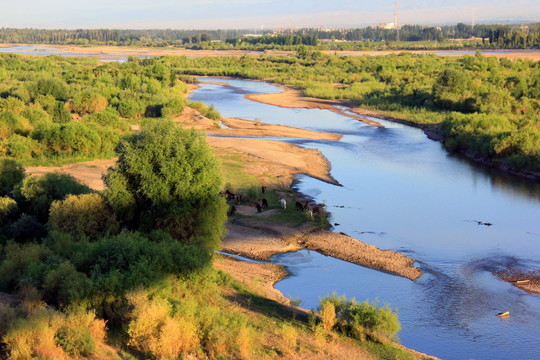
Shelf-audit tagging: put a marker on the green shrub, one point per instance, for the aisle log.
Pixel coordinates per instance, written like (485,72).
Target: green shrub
(36,115)
(38,192)
(21,147)
(83,215)
(109,117)
(8,209)
(10,124)
(130,109)
(70,138)
(11,173)
(357,319)
(22,263)
(13,105)
(53,87)
(56,335)
(27,228)
(47,102)
(88,101)
(61,114)
(168,178)
(63,285)
(172,108)
(208,111)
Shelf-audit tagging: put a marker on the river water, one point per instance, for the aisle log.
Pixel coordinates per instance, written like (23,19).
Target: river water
(404,192)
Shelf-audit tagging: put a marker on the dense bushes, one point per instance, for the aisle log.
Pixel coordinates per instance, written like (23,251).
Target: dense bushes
(360,320)
(80,257)
(11,173)
(84,215)
(52,334)
(36,194)
(40,116)
(494,137)
(167,178)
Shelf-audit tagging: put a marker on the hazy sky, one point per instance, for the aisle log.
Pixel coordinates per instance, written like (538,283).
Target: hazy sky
(233,14)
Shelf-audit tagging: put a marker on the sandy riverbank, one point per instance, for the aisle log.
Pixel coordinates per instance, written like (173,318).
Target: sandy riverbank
(259,240)
(295,99)
(174,51)
(525,280)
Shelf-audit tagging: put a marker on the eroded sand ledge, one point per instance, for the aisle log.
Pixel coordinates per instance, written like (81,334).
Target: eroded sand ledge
(259,241)
(295,99)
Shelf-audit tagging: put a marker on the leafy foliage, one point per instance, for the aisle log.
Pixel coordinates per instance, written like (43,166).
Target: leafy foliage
(83,215)
(36,193)
(167,178)
(11,173)
(361,319)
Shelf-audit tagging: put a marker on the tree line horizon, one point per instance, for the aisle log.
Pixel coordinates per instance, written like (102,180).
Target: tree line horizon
(515,36)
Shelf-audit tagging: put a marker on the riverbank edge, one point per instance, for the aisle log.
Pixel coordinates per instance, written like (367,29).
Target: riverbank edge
(329,243)
(432,131)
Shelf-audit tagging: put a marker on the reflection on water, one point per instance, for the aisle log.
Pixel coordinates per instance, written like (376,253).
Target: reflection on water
(404,192)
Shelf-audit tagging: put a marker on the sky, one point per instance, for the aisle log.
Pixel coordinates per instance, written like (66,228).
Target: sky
(245,14)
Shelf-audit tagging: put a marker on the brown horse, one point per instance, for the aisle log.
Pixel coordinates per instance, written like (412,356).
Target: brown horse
(258,207)
(307,204)
(264,203)
(299,206)
(229,194)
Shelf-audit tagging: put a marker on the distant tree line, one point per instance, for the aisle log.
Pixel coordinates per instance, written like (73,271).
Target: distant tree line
(115,37)
(492,36)
(500,36)
(291,39)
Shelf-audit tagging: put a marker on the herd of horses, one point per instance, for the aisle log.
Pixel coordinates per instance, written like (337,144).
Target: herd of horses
(262,203)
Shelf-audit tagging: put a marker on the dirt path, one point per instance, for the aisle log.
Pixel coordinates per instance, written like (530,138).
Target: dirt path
(89,172)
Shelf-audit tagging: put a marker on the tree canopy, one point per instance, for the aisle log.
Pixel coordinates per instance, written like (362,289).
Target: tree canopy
(167,178)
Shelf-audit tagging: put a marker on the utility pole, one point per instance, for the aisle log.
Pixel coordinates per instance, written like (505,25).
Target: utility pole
(473,19)
(395,20)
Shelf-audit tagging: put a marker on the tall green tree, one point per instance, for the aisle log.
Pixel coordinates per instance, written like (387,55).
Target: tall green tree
(167,178)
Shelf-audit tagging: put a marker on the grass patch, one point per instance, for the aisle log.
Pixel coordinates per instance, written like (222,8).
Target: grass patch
(386,351)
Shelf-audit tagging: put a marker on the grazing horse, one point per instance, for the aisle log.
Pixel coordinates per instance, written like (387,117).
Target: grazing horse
(283,203)
(263,189)
(258,207)
(316,210)
(264,203)
(299,206)
(233,211)
(306,205)
(229,194)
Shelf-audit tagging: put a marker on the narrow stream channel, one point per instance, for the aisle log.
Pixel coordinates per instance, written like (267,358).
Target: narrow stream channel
(404,192)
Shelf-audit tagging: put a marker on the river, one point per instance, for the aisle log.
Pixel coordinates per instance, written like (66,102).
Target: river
(404,192)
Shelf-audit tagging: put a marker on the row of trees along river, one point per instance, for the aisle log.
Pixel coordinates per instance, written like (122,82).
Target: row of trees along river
(411,36)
